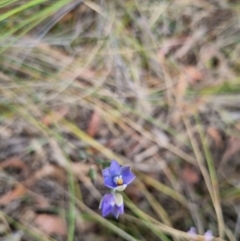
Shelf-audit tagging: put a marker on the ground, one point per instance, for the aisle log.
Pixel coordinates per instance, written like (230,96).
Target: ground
(152,84)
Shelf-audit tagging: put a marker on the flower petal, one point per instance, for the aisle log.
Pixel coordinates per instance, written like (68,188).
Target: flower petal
(192,232)
(106,209)
(118,198)
(105,172)
(108,182)
(125,169)
(116,211)
(115,168)
(121,209)
(120,188)
(208,236)
(106,204)
(127,176)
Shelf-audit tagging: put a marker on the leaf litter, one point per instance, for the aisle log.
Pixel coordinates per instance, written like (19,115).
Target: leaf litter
(118,72)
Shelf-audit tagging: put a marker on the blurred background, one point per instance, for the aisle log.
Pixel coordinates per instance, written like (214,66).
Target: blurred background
(151,84)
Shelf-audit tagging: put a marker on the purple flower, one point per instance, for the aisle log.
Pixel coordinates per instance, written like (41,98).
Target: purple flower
(192,232)
(112,203)
(117,177)
(208,236)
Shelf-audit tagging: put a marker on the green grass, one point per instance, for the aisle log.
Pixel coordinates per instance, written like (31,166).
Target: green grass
(121,60)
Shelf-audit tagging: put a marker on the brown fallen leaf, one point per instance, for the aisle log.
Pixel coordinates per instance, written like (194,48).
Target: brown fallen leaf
(51,224)
(215,135)
(40,201)
(94,124)
(68,17)
(190,175)
(170,45)
(14,194)
(54,116)
(5,132)
(13,162)
(193,74)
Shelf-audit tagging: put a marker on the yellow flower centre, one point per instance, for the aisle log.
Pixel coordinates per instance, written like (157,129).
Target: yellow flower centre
(118,180)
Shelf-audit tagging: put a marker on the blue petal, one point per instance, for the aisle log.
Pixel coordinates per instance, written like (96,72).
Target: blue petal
(106,209)
(106,172)
(127,176)
(115,168)
(125,169)
(108,182)
(115,211)
(106,204)
(121,209)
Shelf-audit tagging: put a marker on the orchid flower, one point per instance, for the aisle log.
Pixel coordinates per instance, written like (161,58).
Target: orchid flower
(112,203)
(208,236)
(117,177)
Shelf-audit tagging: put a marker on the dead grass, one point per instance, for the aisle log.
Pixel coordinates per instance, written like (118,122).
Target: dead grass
(151,84)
